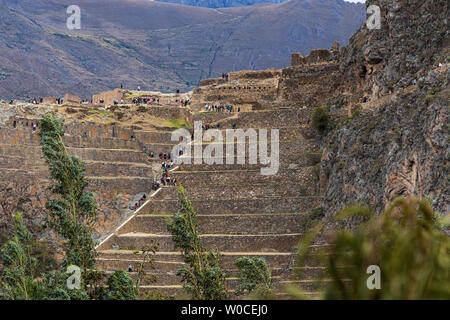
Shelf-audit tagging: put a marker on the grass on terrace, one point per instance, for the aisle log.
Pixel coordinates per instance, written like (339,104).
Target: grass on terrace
(176,123)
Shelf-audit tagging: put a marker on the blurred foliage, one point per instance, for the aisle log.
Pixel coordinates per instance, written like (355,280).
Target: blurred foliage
(22,277)
(146,262)
(320,119)
(406,242)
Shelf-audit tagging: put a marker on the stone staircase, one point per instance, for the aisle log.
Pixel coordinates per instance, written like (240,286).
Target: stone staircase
(240,212)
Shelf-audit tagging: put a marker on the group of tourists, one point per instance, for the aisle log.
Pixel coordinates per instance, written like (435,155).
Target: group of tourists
(225,76)
(220,108)
(116,102)
(208,126)
(184,102)
(164,156)
(166,180)
(144,100)
(155,186)
(167,166)
(140,202)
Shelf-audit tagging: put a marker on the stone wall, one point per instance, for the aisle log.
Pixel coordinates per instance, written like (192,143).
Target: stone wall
(108,97)
(309,85)
(116,168)
(71,99)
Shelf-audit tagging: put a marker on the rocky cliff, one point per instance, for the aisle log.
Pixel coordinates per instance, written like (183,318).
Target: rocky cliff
(393,137)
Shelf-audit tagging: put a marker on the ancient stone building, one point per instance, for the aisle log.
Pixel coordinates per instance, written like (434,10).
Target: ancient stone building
(71,99)
(108,97)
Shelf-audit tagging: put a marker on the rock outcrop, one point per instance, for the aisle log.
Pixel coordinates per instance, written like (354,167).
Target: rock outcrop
(395,139)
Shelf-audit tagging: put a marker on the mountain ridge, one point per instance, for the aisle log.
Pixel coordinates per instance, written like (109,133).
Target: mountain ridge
(158,46)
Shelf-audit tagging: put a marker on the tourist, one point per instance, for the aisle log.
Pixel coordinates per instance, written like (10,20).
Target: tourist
(130,268)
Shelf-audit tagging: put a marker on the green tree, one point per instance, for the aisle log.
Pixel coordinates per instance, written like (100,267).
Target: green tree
(254,278)
(21,278)
(320,119)
(72,212)
(19,266)
(202,275)
(146,262)
(407,244)
(120,287)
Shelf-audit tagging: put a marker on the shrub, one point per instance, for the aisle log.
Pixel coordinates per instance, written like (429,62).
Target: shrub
(254,277)
(406,242)
(320,119)
(120,287)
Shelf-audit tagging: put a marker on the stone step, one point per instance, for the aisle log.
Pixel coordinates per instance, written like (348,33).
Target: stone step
(269,118)
(149,137)
(100,142)
(309,176)
(19,162)
(286,133)
(311,289)
(31,176)
(166,261)
(243,191)
(93,168)
(292,161)
(130,184)
(222,242)
(158,148)
(170,278)
(114,169)
(118,155)
(237,206)
(242,149)
(224,224)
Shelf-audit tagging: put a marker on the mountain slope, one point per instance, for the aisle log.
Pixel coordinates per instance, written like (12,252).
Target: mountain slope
(221,3)
(158,46)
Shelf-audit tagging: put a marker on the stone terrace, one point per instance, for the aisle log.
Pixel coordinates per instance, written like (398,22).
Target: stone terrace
(116,167)
(241,212)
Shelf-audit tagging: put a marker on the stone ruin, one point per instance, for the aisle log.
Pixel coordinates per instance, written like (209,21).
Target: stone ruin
(241,212)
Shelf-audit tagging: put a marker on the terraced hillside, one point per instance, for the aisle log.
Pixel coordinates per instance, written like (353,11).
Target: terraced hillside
(118,169)
(241,212)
